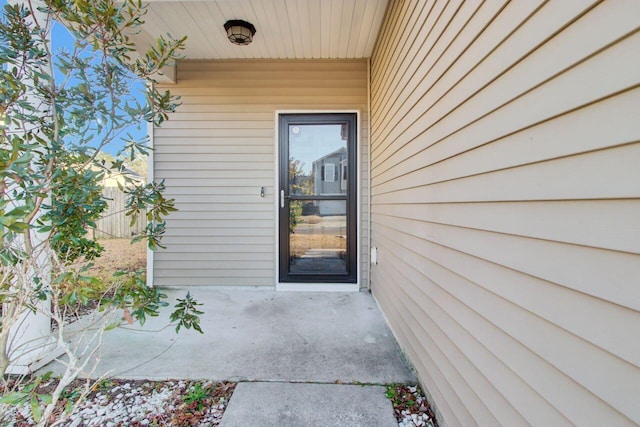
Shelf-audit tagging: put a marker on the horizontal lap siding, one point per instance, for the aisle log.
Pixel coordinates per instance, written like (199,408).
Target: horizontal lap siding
(216,152)
(505,181)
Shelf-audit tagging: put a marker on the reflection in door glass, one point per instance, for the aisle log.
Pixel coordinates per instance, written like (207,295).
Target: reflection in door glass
(317,160)
(318,243)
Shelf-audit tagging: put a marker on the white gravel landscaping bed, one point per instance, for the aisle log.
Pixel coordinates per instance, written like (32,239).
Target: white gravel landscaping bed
(410,406)
(119,403)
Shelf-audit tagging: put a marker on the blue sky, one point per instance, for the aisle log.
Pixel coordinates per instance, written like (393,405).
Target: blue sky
(62,39)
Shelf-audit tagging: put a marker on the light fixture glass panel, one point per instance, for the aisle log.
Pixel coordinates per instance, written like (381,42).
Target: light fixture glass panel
(240,32)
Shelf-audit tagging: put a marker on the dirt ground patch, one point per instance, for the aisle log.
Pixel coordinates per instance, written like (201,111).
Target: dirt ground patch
(119,254)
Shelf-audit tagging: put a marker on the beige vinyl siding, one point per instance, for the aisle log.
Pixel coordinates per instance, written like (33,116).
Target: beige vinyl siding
(505,180)
(217,150)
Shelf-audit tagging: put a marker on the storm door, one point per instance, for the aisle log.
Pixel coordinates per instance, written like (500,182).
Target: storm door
(318,198)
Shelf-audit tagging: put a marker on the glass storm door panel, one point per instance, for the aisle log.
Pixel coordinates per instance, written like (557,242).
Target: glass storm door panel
(317,209)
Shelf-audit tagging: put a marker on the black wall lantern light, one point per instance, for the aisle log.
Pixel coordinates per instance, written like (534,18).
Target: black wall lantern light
(239,32)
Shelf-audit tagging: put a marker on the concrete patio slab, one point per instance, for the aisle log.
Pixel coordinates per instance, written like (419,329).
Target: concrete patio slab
(254,335)
(300,405)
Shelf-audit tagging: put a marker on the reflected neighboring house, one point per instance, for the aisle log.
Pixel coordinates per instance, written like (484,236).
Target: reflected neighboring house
(330,178)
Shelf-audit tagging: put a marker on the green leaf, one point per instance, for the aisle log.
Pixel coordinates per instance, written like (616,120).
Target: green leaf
(111,326)
(45,398)
(14,398)
(68,408)
(36,410)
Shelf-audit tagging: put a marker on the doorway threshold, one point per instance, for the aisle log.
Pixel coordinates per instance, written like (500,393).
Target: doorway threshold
(318,287)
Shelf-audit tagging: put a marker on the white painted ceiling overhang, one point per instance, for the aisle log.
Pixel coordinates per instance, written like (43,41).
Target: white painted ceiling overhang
(286,29)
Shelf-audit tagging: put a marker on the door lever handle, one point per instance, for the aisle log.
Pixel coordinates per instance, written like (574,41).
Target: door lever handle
(282,198)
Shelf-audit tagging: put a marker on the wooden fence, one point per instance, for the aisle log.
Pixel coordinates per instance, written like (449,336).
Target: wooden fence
(114,223)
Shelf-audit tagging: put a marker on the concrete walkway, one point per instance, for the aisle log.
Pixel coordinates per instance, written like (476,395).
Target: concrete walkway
(285,404)
(276,342)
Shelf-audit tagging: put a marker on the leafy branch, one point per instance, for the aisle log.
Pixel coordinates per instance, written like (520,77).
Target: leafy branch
(58,111)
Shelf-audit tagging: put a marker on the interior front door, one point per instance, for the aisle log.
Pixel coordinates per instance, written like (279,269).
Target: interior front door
(318,196)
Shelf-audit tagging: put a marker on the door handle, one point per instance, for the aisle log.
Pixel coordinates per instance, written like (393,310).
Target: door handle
(282,198)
